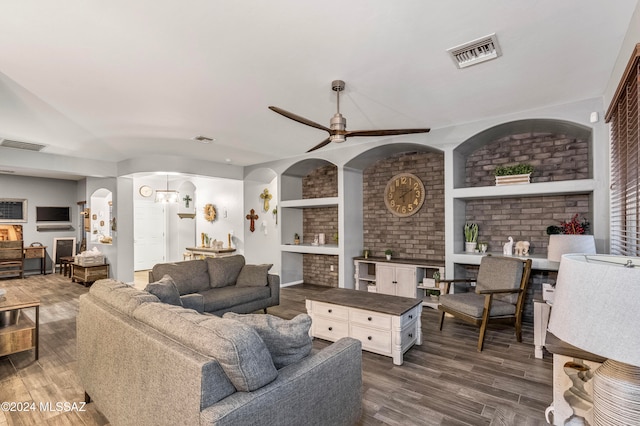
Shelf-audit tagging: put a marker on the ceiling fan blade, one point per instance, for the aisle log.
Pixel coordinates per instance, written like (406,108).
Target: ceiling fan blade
(388,132)
(299,119)
(321,144)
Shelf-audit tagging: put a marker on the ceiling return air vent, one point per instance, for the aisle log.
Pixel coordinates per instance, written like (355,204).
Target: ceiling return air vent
(22,145)
(476,51)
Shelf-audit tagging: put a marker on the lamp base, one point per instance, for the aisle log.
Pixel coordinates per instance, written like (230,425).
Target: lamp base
(616,394)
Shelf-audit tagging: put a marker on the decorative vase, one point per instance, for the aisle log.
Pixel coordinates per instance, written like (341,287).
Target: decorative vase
(513,179)
(470,247)
(388,256)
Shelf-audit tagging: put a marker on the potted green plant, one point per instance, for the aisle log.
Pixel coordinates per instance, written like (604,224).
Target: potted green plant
(516,174)
(470,237)
(388,253)
(296,239)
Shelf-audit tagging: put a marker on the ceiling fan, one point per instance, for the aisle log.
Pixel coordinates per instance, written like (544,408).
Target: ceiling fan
(338,128)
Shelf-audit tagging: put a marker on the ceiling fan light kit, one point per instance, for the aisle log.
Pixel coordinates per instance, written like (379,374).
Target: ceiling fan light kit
(338,124)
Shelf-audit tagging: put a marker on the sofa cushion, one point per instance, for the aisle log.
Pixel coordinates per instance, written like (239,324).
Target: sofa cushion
(216,299)
(288,341)
(253,275)
(190,276)
(238,349)
(224,271)
(120,296)
(165,290)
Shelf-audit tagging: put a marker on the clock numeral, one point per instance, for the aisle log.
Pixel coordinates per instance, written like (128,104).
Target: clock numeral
(410,207)
(417,194)
(416,202)
(403,179)
(416,186)
(397,182)
(404,210)
(392,203)
(390,195)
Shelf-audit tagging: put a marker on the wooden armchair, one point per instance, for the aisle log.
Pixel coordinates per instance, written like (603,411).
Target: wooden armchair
(501,287)
(12,258)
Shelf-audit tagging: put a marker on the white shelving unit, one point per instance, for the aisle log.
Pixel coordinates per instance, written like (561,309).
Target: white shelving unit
(369,271)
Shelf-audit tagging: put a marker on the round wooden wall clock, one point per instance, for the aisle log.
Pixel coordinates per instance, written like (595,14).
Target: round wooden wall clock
(404,194)
(210,212)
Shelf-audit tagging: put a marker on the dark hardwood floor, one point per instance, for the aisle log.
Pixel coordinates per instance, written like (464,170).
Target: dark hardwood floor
(445,381)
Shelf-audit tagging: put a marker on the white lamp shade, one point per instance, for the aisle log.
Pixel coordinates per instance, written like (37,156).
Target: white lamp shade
(566,244)
(596,308)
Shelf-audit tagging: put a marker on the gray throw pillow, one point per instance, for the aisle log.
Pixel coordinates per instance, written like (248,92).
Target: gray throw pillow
(288,341)
(254,275)
(223,271)
(165,290)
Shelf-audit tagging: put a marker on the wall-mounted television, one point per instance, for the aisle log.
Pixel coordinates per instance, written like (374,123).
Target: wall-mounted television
(53,214)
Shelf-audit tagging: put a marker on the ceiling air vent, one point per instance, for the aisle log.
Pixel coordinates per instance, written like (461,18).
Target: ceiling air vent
(476,51)
(22,145)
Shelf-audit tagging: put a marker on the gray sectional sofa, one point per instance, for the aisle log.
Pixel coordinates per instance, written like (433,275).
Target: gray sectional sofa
(221,284)
(144,362)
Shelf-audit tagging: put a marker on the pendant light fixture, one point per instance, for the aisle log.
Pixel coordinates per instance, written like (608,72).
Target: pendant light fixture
(167,196)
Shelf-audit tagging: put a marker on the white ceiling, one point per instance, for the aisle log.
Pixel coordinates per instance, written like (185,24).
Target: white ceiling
(121,79)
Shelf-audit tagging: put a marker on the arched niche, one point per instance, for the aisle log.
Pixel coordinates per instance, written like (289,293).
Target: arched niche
(102,222)
(367,158)
(544,143)
(292,179)
(261,195)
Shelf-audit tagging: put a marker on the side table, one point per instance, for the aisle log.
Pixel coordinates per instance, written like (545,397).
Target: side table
(37,252)
(88,274)
(17,332)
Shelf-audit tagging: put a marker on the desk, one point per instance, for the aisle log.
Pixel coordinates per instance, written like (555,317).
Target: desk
(211,252)
(18,333)
(37,253)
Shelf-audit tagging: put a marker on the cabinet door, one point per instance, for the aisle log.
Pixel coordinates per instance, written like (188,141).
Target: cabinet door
(385,279)
(406,281)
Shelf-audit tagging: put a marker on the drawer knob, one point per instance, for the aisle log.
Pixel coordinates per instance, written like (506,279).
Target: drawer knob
(369,319)
(330,328)
(330,310)
(410,316)
(410,335)
(369,337)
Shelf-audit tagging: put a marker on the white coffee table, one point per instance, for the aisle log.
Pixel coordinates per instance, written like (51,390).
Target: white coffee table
(386,325)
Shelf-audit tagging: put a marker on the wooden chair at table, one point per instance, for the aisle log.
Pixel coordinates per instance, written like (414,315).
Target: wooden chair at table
(12,258)
(501,287)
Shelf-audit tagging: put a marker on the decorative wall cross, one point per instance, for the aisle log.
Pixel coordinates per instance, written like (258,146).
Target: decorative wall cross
(186,200)
(252,216)
(266,197)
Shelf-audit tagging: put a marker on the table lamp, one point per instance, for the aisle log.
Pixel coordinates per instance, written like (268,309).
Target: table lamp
(560,244)
(596,308)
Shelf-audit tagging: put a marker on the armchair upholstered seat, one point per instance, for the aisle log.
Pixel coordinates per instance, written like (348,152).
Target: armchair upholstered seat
(501,286)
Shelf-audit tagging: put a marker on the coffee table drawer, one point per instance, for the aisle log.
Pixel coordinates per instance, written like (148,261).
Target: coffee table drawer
(330,329)
(371,319)
(410,316)
(373,340)
(329,310)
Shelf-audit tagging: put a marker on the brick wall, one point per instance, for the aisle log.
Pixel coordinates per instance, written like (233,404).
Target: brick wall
(525,218)
(320,183)
(420,236)
(555,157)
(317,269)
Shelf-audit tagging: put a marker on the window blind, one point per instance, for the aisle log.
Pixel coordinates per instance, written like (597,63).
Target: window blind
(623,115)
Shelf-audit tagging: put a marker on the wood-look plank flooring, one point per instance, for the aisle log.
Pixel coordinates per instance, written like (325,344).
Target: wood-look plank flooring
(445,381)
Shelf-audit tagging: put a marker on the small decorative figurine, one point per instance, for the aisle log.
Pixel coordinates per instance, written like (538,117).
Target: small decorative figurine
(522,248)
(507,249)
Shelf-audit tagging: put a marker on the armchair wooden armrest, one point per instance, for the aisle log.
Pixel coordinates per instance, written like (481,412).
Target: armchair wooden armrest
(499,290)
(447,283)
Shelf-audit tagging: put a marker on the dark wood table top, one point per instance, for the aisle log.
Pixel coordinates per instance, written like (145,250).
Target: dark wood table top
(375,302)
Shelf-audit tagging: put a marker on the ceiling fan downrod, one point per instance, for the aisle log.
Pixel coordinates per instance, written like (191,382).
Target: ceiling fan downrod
(338,123)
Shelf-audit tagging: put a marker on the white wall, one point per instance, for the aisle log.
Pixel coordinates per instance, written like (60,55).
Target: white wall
(262,246)
(42,192)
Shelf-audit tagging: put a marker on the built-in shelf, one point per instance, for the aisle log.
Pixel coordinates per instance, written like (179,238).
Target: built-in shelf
(41,228)
(186,215)
(310,203)
(331,249)
(579,186)
(539,261)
